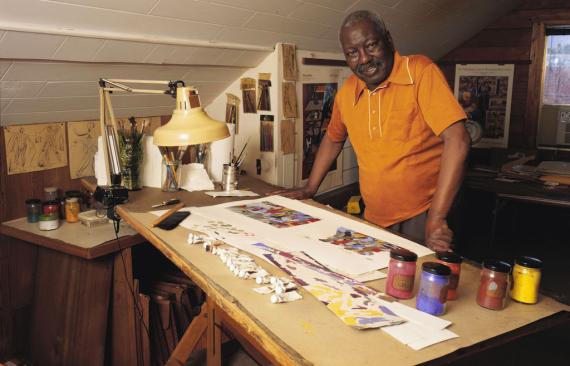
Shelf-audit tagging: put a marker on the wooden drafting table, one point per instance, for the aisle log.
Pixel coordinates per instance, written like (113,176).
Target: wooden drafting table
(305,332)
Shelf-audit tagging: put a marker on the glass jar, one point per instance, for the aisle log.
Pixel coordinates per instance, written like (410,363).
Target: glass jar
(453,261)
(48,222)
(526,280)
(50,193)
(51,207)
(433,288)
(33,209)
(401,273)
(72,209)
(170,175)
(494,284)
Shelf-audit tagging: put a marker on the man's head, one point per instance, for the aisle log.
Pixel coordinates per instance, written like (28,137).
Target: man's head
(367,47)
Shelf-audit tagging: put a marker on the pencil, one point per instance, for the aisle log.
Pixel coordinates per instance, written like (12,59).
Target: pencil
(168,213)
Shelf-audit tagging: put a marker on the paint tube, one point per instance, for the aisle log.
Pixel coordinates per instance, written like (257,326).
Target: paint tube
(286,297)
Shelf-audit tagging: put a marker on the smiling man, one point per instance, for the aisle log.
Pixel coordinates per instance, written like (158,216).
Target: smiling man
(406,128)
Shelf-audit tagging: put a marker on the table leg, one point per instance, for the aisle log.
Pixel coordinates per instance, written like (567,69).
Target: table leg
(191,337)
(214,339)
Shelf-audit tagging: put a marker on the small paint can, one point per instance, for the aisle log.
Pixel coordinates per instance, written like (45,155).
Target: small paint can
(50,193)
(526,280)
(401,273)
(453,261)
(72,209)
(33,209)
(48,222)
(433,288)
(51,207)
(494,284)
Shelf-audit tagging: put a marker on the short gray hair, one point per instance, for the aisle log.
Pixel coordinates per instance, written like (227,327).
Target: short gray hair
(366,15)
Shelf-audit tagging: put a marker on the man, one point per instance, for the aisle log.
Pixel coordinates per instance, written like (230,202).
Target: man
(406,128)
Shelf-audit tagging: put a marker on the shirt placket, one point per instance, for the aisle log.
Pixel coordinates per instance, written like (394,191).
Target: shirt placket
(375,113)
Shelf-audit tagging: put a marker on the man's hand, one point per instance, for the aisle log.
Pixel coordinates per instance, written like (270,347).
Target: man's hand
(297,193)
(438,236)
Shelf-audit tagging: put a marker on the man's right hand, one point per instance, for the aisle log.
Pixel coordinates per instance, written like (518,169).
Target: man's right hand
(295,193)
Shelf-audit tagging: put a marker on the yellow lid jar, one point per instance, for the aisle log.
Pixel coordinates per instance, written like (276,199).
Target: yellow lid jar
(526,280)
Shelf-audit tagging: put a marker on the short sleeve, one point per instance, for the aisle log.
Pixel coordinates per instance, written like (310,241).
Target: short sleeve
(437,103)
(336,130)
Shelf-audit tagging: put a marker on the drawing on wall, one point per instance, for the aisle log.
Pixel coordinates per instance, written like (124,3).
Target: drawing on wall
(82,143)
(273,214)
(318,102)
(31,148)
(484,92)
(358,242)
(353,302)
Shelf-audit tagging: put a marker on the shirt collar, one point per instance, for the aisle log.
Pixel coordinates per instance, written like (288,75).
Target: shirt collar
(400,75)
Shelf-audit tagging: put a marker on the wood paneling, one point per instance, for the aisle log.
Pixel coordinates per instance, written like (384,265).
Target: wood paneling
(515,38)
(69,316)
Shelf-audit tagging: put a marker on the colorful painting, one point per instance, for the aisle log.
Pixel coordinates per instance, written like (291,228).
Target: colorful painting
(273,214)
(358,242)
(354,303)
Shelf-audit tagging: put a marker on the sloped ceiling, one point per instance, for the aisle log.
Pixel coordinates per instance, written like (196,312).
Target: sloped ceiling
(52,52)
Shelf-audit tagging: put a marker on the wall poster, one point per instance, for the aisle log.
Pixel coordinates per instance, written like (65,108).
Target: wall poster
(318,99)
(485,92)
(31,148)
(82,147)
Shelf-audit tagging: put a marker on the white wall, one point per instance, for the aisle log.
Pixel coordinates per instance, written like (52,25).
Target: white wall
(249,125)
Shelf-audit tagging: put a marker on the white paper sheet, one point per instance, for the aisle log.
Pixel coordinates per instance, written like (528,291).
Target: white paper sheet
(195,178)
(416,336)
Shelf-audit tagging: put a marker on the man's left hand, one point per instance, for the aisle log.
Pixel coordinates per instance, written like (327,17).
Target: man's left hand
(438,235)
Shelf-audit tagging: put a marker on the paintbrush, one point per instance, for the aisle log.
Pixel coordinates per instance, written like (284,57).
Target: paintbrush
(167,214)
(240,154)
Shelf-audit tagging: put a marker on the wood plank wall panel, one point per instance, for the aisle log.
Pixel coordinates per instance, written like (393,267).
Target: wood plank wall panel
(509,40)
(17,272)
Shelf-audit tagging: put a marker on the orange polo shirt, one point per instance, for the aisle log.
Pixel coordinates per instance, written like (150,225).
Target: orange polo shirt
(395,130)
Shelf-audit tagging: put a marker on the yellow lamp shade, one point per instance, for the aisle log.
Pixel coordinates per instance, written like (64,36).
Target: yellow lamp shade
(189,126)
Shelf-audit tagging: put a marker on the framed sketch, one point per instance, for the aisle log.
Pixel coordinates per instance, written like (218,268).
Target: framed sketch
(485,92)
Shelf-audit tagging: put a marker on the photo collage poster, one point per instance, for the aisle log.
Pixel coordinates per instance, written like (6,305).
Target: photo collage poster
(485,92)
(318,99)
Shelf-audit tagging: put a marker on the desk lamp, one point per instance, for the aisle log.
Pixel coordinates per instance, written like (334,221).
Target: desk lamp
(189,124)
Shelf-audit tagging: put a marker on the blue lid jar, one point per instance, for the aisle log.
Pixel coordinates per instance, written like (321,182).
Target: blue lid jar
(434,281)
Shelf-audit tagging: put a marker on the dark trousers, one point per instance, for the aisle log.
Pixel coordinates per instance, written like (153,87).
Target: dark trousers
(413,228)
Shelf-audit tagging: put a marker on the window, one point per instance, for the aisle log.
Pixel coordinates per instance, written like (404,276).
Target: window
(554,117)
(557,67)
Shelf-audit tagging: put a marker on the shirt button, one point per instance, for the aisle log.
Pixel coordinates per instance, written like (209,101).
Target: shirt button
(373,112)
(373,128)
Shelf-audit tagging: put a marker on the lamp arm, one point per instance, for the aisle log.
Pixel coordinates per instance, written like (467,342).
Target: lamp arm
(118,85)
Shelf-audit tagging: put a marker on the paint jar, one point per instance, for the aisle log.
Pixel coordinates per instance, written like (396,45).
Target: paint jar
(401,273)
(494,284)
(453,261)
(50,193)
(230,177)
(76,194)
(433,288)
(33,209)
(526,280)
(72,209)
(48,222)
(51,207)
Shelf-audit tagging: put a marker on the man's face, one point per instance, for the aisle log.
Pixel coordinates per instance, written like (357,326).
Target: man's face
(369,55)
